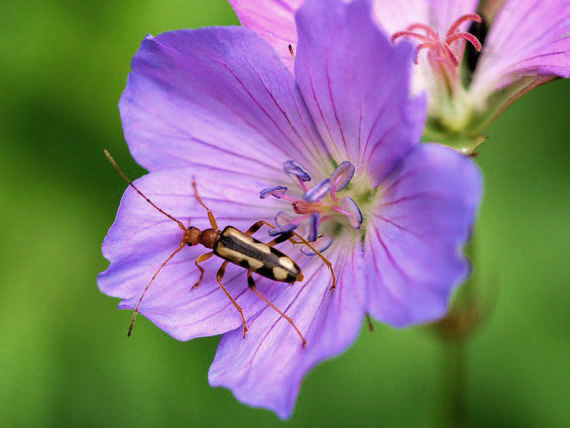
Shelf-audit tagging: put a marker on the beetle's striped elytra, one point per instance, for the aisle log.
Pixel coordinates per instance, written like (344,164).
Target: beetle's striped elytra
(238,248)
(246,251)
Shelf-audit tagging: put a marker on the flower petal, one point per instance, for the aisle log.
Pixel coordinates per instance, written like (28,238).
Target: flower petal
(528,37)
(215,96)
(266,368)
(397,15)
(274,20)
(141,239)
(414,238)
(355,83)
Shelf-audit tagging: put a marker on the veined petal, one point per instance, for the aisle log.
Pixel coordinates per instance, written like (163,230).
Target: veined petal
(415,236)
(266,369)
(274,20)
(355,83)
(398,15)
(141,239)
(215,96)
(527,38)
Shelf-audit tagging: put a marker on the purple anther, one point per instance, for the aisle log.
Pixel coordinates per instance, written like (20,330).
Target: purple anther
(296,171)
(342,176)
(283,229)
(313,227)
(277,192)
(318,191)
(354,215)
(282,218)
(321,245)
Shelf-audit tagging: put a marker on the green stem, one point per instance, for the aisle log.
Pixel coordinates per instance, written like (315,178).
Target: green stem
(454,376)
(454,331)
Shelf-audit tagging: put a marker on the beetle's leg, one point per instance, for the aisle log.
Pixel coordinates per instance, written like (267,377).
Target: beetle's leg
(251,284)
(219,277)
(201,259)
(308,244)
(254,228)
(281,238)
(211,217)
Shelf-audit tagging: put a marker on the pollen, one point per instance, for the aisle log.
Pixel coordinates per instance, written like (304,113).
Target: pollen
(440,48)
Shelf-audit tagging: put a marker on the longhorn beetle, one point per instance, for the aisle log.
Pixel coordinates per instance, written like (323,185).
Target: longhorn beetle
(234,247)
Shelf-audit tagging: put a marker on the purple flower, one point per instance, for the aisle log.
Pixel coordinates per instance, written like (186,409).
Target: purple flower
(527,44)
(329,153)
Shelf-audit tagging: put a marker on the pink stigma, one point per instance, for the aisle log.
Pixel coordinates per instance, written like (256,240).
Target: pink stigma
(440,49)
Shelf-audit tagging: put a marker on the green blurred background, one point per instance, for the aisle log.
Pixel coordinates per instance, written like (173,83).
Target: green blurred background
(64,355)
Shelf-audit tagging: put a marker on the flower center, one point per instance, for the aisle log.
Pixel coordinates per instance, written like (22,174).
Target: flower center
(439,49)
(319,203)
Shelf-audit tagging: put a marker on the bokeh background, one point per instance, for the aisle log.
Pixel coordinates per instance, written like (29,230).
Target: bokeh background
(64,355)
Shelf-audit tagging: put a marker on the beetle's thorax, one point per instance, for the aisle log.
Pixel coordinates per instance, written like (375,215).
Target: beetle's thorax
(209,237)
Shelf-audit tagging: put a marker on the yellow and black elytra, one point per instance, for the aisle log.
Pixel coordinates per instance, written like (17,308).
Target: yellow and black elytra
(247,252)
(238,248)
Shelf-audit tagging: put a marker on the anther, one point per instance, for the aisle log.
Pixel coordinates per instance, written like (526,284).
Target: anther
(296,171)
(282,229)
(317,192)
(354,215)
(313,227)
(321,244)
(277,192)
(342,176)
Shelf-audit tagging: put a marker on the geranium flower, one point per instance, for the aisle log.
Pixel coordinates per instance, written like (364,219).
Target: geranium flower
(527,44)
(217,104)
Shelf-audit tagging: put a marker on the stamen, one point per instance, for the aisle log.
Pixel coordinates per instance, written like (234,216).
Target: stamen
(355,216)
(428,30)
(341,177)
(465,36)
(277,192)
(315,206)
(293,168)
(449,54)
(411,34)
(317,192)
(283,229)
(321,244)
(341,211)
(419,48)
(282,218)
(441,47)
(313,227)
(469,17)
(287,227)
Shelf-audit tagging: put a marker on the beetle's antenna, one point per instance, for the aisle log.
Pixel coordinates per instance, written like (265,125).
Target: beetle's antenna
(130,183)
(136,311)
(211,216)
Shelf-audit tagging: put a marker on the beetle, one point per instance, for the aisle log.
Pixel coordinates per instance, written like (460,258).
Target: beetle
(239,248)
